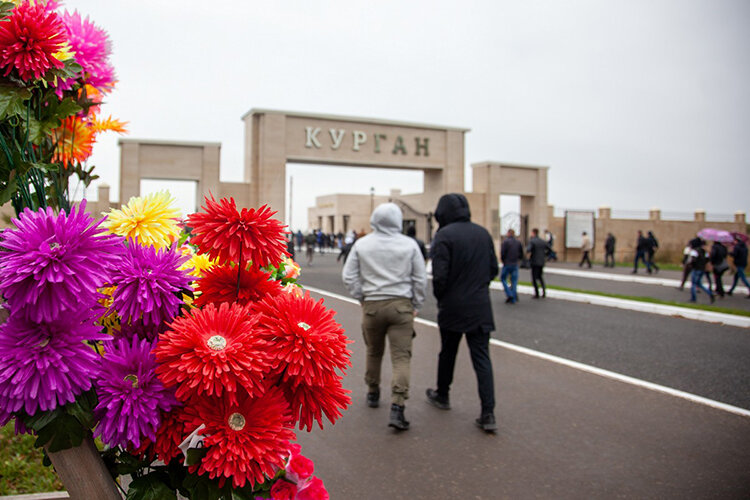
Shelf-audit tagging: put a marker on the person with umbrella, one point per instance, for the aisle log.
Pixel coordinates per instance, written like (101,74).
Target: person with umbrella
(718,255)
(739,255)
(698,260)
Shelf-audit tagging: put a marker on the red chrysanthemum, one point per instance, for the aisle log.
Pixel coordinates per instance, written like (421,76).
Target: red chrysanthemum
(29,38)
(310,402)
(170,434)
(220,284)
(303,338)
(213,352)
(227,235)
(247,441)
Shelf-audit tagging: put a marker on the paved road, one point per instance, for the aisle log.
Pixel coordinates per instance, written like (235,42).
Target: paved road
(670,293)
(563,433)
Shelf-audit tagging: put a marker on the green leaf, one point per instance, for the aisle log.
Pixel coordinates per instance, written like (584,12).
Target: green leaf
(195,455)
(151,487)
(12,99)
(8,190)
(41,419)
(83,408)
(5,8)
(62,433)
(66,108)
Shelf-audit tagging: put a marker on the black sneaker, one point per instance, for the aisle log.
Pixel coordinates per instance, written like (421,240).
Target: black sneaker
(487,422)
(437,400)
(373,399)
(397,420)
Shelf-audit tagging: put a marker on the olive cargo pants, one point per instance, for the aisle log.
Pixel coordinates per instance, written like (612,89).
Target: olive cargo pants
(394,319)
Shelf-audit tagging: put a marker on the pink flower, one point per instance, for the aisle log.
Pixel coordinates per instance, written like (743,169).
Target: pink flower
(283,490)
(313,490)
(299,468)
(92,48)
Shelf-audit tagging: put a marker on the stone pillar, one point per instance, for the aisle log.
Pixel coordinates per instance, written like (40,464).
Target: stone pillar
(739,216)
(209,182)
(605,213)
(269,163)
(654,214)
(102,205)
(700,215)
(130,175)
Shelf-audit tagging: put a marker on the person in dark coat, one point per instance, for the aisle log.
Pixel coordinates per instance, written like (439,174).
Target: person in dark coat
(411,232)
(536,249)
(641,250)
(651,247)
(511,253)
(609,251)
(463,265)
(719,265)
(739,255)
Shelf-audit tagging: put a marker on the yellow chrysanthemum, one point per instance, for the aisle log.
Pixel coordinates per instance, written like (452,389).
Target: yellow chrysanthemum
(152,219)
(197,264)
(65,52)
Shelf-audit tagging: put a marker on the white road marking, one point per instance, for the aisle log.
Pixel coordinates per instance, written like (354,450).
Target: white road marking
(636,305)
(579,366)
(629,278)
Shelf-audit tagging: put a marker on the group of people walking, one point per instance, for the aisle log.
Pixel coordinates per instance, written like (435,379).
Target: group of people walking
(385,271)
(512,253)
(699,263)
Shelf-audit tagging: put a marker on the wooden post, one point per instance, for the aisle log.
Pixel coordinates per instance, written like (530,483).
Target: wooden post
(84,474)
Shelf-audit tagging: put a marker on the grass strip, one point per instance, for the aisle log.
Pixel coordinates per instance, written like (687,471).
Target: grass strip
(650,300)
(21,469)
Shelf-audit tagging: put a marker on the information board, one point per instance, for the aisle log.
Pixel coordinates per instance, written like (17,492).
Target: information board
(576,222)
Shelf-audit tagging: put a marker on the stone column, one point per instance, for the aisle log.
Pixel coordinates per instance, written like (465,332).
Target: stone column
(739,216)
(605,213)
(654,214)
(130,175)
(700,215)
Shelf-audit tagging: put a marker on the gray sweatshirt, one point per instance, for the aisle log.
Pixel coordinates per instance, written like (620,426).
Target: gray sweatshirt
(386,264)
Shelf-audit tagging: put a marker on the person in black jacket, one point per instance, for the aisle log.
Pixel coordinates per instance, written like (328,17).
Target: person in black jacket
(511,253)
(609,251)
(652,244)
(535,249)
(463,265)
(641,250)
(719,265)
(739,255)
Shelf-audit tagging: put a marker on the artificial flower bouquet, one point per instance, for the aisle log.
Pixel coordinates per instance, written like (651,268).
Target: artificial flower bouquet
(191,355)
(54,74)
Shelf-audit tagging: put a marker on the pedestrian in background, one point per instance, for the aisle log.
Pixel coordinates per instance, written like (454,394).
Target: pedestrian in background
(385,271)
(651,247)
(719,265)
(549,238)
(739,256)
(463,265)
(511,253)
(536,250)
(609,251)
(699,260)
(641,250)
(586,247)
(411,232)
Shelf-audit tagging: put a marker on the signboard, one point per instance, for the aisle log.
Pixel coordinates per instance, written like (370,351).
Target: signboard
(576,222)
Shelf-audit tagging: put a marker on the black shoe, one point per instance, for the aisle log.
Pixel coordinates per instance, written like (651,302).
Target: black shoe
(713,298)
(397,420)
(373,399)
(437,400)
(509,300)
(729,293)
(634,272)
(487,422)
(535,296)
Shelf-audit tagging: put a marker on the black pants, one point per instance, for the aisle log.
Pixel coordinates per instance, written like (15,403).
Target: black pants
(585,259)
(609,259)
(479,348)
(719,284)
(536,276)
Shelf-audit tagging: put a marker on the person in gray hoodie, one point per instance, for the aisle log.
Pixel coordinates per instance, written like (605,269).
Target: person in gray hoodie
(385,271)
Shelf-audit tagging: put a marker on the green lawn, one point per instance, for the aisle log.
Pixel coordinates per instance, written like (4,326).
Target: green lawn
(21,469)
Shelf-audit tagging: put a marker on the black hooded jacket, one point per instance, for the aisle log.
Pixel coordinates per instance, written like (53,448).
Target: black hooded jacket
(463,265)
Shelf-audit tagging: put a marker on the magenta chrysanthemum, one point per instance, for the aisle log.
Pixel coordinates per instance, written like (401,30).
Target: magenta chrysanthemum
(29,38)
(55,263)
(131,397)
(147,280)
(92,49)
(44,365)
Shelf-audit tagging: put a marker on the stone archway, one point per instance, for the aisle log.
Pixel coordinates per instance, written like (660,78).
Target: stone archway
(528,181)
(273,138)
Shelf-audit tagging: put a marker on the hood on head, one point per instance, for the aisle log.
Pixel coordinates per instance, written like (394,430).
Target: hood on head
(387,218)
(453,207)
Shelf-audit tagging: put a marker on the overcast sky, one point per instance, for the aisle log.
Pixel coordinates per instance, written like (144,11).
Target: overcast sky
(633,104)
